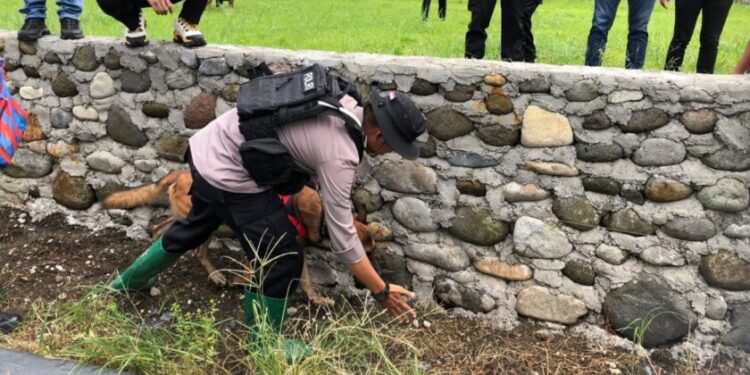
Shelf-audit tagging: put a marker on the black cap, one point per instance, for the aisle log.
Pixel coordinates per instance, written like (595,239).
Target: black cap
(400,121)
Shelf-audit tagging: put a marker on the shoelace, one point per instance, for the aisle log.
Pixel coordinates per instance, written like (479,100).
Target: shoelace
(187,25)
(69,23)
(34,22)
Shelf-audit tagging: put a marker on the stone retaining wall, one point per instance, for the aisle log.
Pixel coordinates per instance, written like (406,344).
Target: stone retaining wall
(558,193)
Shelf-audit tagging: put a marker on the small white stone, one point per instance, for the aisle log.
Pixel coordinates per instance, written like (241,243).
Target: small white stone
(427,324)
(102,86)
(611,254)
(542,128)
(154,292)
(625,96)
(85,113)
(31,93)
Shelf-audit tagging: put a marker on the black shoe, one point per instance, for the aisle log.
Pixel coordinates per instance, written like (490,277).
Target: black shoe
(70,29)
(32,30)
(9,322)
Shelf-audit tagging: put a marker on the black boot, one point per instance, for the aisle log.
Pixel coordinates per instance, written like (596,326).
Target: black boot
(70,29)
(33,29)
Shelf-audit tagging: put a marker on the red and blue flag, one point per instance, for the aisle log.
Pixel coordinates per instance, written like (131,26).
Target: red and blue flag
(13,121)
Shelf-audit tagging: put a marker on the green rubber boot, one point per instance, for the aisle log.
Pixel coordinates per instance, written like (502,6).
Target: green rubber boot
(274,309)
(141,275)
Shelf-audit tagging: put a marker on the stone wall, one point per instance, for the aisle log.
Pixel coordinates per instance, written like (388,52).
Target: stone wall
(561,194)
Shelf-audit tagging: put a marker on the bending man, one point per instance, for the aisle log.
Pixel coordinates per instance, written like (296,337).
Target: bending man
(223,191)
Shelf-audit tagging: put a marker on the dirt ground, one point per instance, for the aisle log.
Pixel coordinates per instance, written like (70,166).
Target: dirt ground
(49,260)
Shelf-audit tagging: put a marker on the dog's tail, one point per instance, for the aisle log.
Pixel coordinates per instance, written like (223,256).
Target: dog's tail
(141,195)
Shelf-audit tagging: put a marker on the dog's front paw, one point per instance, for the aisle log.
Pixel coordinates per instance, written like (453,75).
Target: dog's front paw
(218,278)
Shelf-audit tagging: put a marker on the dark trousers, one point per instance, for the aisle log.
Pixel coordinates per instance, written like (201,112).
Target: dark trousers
(516,39)
(686,14)
(426,9)
(126,11)
(639,13)
(258,218)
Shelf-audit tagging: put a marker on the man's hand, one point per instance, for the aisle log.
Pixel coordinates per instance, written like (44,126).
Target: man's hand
(664,3)
(396,305)
(161,7)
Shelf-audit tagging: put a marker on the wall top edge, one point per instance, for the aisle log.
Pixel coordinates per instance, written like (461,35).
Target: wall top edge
(459,69)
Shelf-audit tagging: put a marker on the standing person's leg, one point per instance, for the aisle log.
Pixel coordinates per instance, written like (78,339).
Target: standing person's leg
(512,36)
(425,9)
(442,8)
(481,15)
(686,14)
(186,27)
(69,12)
(714,17)
(129,13)
(125,11)
(639,13)
(529,49)
(34,11)
(604,15)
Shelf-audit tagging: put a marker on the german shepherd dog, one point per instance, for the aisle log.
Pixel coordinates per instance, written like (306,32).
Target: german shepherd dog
(306,205)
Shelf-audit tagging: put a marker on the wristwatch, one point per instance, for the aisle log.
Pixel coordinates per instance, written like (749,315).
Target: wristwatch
(383,295)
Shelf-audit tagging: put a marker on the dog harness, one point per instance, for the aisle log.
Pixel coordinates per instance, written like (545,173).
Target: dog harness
(293,215)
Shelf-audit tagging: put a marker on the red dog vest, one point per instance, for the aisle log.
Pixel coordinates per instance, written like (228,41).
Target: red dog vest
(288,205)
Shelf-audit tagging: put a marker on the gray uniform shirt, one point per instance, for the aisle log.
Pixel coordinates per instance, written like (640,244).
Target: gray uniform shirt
(320,144)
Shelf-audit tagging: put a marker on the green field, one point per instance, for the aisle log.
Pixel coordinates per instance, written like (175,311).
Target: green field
(395,27)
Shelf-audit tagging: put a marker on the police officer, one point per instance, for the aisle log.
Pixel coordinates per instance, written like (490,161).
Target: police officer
(224,192)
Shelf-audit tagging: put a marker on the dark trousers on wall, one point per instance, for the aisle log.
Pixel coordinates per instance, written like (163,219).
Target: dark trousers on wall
(516,39)
(686,14)
(126,11)
(426,9)
(258,218)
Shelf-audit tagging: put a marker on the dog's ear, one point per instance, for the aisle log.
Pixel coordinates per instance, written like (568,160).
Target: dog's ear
(379,232)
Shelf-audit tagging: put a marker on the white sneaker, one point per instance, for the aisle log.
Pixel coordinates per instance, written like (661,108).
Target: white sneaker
(137,38)
(188,34)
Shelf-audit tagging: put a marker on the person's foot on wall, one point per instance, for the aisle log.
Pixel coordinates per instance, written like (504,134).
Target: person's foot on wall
(188,34)
(70,29)
(137,37)
(33,29)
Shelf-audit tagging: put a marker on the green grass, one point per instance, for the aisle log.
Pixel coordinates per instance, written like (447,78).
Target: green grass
(395,27)
(105,329)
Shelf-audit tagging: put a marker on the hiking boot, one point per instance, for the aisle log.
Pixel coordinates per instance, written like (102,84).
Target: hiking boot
(32,30)
(188,34)
(70,29)
(137,37)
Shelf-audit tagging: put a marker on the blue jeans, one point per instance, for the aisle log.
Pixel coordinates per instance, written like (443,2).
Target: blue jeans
(65,9)
(639,13)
